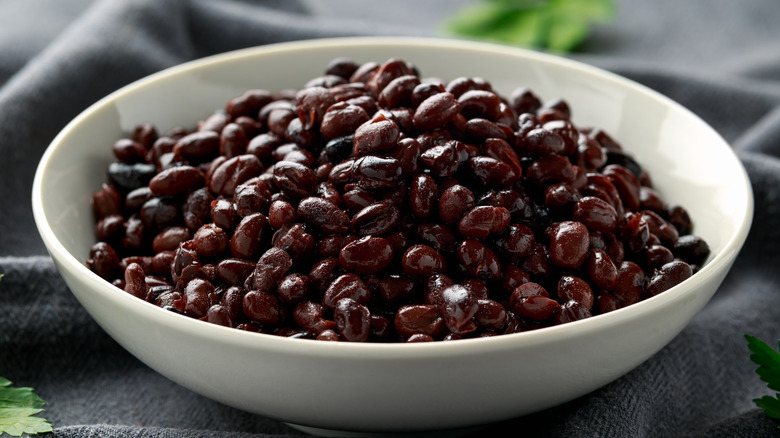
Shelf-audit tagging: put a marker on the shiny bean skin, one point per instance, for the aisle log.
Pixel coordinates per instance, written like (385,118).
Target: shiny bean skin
(128,151)
(692,249)
(170,238)
(261,307)
(536,307)
(323,215)
(106,201)
(373,172)
(635,233)
(375,219)
(491,315)
(135,283)
(393,288)
(248,103)
(454,202)
(223,214)
(281,213)
(626,184)
(346,286)
(561,196)
(569,244)
(419,319)
(198,146)
(295,179)
(658,226)
(398,92)
(160,213)
(601,270)
(435,111)
(196,210)
(373,204)
(525,290)
(516,241)
(572,311)
(668,276)
(109,227)
(293,288)
(198,297)
(492,172)
(462,84)
(572,288)
(524,100)
(270,269)
(678,216)
(385,73)
(596,214)
(514,276)
(375,136)
(502,151)
(234,271)
(353,320)
(232,172)
(541,141)
(445,159)
(311,316)
(233,140)
(479,261)
(407,152)
(342,119)
(357,199)
(295,241)
(482,221)
(439,237)
(251,197)
(311,104)
(550,169)
(630,284)
(458,306)
(480,103)
(367,255)
(249,236)
(537,263)
(656,256)
(422,260)
(423,195)
(342,67)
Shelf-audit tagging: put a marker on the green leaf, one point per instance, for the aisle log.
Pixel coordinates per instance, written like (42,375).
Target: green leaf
(18,407)
(594,10)
(768,361)
(770,405)
(17,421)
(557,25)
(566,33)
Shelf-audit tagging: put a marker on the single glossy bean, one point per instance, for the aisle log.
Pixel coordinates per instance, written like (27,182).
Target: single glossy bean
(422,260)
(323,215)
(353,320)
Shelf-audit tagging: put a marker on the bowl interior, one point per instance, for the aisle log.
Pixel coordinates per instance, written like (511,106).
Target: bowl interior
(689,162)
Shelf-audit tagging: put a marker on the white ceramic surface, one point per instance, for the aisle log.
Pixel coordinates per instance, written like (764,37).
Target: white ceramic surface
(402,387)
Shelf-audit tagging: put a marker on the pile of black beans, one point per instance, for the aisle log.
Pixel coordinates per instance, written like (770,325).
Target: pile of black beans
(374,205)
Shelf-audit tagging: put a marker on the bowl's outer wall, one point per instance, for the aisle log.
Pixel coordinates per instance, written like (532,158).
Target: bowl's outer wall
(397,387)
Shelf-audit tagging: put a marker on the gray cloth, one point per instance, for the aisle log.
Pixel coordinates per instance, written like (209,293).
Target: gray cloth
(719,58)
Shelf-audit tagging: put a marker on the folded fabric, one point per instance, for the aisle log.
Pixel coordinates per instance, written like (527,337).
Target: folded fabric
(719,58)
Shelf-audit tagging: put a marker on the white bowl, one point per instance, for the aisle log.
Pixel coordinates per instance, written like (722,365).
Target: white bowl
(397,387)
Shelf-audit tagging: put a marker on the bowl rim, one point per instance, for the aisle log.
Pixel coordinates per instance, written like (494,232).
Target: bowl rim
(375,350)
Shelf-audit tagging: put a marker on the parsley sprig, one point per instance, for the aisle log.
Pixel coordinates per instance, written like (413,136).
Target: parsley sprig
(555,25)
(18,407)
(768,361)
